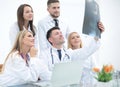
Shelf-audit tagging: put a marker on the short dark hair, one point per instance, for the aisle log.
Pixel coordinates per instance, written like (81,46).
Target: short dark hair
(50,31)
(52,1)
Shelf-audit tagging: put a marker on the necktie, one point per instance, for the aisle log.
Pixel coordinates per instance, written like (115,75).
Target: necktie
(56,22)
(59,54)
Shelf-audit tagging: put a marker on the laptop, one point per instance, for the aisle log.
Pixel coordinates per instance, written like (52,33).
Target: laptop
(64,74)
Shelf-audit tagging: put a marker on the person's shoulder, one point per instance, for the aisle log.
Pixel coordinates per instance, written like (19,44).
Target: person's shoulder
(14,55)
(44,53)
(69,50)
(63,20)
(14,26)
(43,20)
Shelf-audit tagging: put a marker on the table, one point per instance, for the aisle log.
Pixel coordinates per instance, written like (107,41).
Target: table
(113,83)
(44,84)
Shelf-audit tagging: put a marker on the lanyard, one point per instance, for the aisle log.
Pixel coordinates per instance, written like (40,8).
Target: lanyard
(51,52)
(28,58)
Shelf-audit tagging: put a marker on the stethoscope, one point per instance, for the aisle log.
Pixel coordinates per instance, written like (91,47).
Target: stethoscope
(66,55)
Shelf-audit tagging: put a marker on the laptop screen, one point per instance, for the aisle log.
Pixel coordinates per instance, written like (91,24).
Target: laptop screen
(67,73)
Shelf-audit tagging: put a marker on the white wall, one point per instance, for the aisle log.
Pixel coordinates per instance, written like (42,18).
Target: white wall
(73,12)
(110,16)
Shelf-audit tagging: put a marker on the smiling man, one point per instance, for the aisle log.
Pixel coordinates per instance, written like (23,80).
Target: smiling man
(52,20)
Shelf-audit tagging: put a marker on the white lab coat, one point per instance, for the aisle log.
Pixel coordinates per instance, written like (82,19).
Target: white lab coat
(69,55)
(47,23)
(88,75)
(17,72)
(13,32)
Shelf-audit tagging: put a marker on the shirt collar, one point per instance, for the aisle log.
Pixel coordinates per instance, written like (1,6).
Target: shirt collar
(55,49)
(51,19)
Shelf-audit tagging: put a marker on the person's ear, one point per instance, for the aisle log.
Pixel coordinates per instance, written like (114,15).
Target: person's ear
(50,40)
(47,9)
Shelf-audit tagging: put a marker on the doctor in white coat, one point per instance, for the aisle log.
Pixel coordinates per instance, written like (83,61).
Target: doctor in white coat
(22,65)
(53,8)
(75,42)
(24,22)
(55,37)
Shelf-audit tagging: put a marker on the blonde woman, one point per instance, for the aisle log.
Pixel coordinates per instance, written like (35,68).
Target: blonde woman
(1,67)
(75,42)
(22,65)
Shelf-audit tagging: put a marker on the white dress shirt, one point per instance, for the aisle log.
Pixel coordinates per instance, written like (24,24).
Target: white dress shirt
(47,23)
(17,72)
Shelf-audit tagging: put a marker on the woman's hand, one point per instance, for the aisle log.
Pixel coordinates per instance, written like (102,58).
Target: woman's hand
(33,51)
(101,27)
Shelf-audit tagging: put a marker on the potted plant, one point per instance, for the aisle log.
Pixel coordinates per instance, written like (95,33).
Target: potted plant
(104,75)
